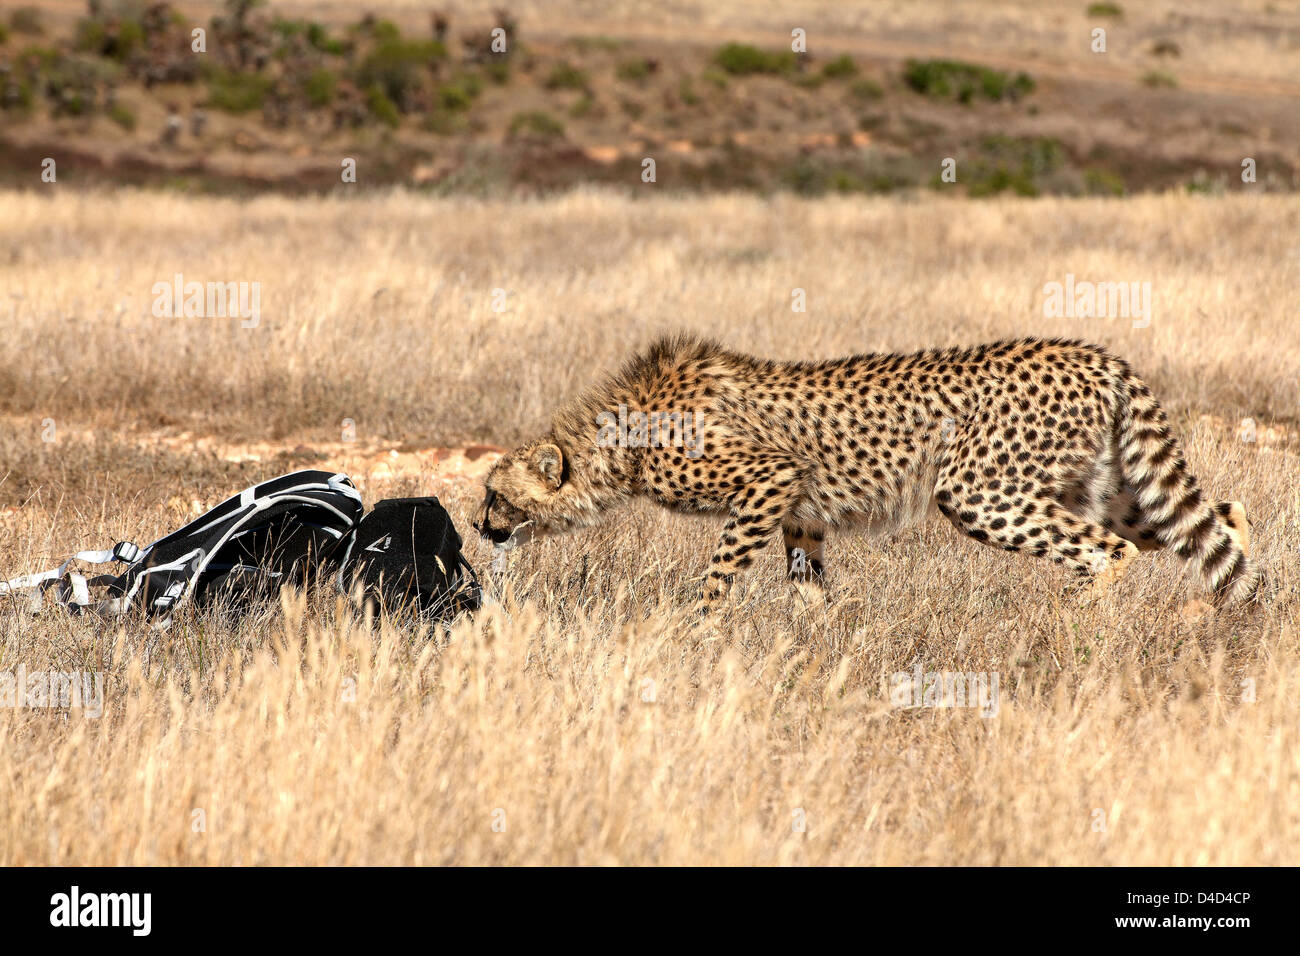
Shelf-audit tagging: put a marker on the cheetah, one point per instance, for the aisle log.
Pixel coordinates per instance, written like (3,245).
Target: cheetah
(1052,447)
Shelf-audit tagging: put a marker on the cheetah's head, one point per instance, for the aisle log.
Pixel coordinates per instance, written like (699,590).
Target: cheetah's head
(518,490)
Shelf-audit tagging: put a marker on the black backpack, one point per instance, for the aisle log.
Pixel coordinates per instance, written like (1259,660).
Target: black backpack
(406,554)
(278,532)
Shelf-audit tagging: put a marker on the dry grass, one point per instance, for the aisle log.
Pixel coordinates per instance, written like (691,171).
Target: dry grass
(379,309)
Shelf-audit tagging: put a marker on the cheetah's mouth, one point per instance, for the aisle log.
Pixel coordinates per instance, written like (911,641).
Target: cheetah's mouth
(498,536)
(510,540)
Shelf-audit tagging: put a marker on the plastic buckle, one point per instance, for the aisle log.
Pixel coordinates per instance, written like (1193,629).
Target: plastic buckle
(126,551)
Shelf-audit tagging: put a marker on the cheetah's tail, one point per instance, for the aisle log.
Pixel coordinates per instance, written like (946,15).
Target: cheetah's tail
(1171,502)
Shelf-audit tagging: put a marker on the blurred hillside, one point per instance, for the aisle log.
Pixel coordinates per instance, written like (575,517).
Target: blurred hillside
(279,96)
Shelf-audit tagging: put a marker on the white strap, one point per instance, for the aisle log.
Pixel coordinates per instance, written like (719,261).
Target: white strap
(40,577)
(341,482)
(80,592)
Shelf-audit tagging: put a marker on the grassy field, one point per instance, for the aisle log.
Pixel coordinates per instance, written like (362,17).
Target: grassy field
(580,720)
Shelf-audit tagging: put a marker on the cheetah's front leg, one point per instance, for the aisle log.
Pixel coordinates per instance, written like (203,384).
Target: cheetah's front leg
(755,514)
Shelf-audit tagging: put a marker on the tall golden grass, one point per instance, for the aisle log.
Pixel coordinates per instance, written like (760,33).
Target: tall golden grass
(581,719)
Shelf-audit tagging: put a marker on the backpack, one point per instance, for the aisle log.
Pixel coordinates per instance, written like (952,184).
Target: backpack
(406,554)
(274,533)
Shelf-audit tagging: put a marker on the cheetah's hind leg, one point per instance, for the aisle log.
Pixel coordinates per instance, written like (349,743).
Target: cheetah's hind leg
(1038,524)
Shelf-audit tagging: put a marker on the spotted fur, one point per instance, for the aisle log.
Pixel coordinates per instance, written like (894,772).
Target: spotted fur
(1052,447)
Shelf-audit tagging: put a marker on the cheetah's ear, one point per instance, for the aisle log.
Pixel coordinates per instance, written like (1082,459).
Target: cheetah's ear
(548,462)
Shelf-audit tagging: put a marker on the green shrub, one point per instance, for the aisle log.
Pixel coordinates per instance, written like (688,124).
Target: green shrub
(395,66)
(471,83)
(17,96)
(382,107)
(634,71)
(584,105)
(320,86)
(1012,164)
(316,34)
(865,89)
(1103,183)
(122,116)
(566,76)
(537,123)
(4,34)
(386,31)
(130,37)
(806,177)
(117,41)
(1033,155)
(498,70)
(75,103)
(741,59)
(320,38)
(91,37)
(840,67)
(237,92)
(843,181)
(34,58)
(1159,78)
(1105,10)
(686,91)
(715,77)
(70,82)
(458,95)
(809,176)
(284,29)
(953,79)
(998,179)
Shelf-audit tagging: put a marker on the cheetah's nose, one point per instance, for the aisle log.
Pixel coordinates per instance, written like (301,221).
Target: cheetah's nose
(480,522)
